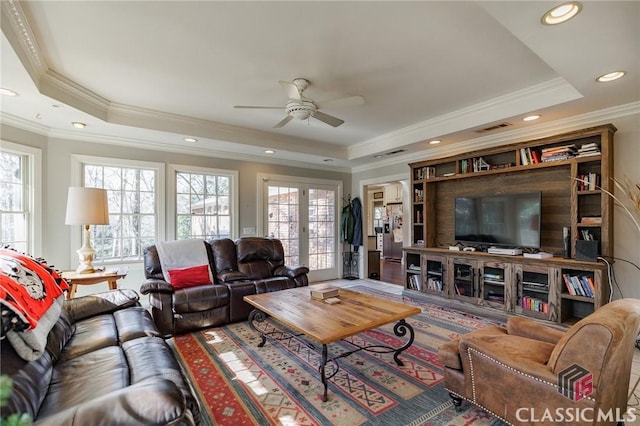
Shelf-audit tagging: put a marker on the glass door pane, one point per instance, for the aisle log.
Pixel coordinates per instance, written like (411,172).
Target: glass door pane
(283,221)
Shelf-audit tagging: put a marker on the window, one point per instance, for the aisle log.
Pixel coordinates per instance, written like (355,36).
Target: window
(20,167)
(134,191)
(204,202)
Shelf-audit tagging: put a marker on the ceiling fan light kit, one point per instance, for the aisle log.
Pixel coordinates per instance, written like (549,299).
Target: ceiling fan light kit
(302,108)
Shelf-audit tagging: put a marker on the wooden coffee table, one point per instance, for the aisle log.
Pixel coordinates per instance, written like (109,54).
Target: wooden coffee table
(327,323)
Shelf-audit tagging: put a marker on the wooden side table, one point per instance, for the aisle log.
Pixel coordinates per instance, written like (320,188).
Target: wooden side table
(110,276)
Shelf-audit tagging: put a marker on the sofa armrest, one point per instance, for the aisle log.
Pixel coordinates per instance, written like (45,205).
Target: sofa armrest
(524,327)
(83,307)
(231,276)
(155,285)
(149,402)
(290,271)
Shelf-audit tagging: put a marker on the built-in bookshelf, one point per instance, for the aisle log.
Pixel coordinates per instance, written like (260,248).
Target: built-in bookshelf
(572,171)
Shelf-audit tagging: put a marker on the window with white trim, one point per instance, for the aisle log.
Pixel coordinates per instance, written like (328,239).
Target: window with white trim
(204,202)
(134,190)
(19,189)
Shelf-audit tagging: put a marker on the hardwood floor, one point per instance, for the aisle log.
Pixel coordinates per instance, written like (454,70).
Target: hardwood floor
(391,272)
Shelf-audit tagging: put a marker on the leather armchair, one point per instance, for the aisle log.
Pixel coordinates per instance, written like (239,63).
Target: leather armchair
(526,372)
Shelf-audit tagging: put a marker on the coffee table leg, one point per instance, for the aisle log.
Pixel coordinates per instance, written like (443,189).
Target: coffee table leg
(400,329)
(323,363)
(258,316)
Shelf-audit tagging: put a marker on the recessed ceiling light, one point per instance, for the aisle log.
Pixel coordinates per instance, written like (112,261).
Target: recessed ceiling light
(269,151)
(7,92)
(531,117)
(377,156)
(610,76)
(434,142)
(78,124)
(562,13)
(190,140)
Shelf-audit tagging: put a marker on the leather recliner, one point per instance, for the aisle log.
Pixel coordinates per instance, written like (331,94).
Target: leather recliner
(249,265)
(527,372)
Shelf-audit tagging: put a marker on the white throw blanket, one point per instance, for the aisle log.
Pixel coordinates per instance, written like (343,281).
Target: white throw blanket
(180,254)
(30,344)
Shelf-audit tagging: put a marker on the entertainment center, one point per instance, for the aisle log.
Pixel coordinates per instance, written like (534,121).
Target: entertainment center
(519,196)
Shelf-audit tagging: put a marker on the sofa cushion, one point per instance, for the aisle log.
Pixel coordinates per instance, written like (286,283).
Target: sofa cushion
(259,257)
(225,262)
(197,299)
(190,276)
(82,378)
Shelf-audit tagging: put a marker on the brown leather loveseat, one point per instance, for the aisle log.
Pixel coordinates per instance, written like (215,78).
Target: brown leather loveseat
(249,265)
(104,363)
(528,373)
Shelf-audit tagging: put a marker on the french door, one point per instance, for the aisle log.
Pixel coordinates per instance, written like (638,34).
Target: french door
(303,216)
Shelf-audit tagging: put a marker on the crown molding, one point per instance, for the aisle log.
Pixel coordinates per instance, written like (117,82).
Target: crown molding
(16,28)
(542,130)
(549,93)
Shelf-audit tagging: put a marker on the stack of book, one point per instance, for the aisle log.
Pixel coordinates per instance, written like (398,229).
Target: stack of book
(325,292)
(588,149)
(591,220)
(558,153)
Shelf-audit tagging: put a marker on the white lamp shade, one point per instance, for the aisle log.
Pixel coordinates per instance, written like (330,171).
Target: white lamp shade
(87,206)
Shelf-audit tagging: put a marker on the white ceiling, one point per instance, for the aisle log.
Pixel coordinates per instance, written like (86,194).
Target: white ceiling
(153,72)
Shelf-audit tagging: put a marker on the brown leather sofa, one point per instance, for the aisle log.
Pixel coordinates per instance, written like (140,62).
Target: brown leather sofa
(104,363)
(528,373)
(249,265)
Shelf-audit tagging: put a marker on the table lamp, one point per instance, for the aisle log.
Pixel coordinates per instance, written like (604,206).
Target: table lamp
(86,207)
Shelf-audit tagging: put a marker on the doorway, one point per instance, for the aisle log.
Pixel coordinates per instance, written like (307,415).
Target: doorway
(302,215)
(386,201)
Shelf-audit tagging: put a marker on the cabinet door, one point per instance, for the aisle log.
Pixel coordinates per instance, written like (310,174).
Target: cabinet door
(435,275)
(495,280)
(463,277)
(413,271)
(393,193)
(536,291)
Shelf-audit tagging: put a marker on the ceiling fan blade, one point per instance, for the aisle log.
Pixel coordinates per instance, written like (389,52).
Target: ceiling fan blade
(291,89)
(284,121)
(257,107)
(329,119)
(342,102)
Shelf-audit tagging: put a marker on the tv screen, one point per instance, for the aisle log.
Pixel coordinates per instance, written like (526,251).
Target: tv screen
(510,220)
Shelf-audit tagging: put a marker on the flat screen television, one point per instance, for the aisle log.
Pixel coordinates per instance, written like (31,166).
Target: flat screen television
(507,220)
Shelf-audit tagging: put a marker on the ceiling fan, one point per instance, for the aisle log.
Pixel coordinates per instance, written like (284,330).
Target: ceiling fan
(301,108)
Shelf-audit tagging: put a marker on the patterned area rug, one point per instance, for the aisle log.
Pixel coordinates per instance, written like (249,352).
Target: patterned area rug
(239,383)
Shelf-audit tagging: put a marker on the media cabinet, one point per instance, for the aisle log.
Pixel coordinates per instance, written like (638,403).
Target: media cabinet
(554,289)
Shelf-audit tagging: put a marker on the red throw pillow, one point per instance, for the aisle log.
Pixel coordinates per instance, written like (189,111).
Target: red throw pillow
(190,277)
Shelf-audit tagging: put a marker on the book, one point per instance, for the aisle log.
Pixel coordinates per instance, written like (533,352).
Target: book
(325,292)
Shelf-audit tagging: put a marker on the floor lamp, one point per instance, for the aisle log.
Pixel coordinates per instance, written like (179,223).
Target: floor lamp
(86,207)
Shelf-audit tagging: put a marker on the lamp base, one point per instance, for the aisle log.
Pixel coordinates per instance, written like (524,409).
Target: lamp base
(85,254)
(85,269)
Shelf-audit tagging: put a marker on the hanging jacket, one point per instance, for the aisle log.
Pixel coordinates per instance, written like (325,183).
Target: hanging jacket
(346,225)
(356,209)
